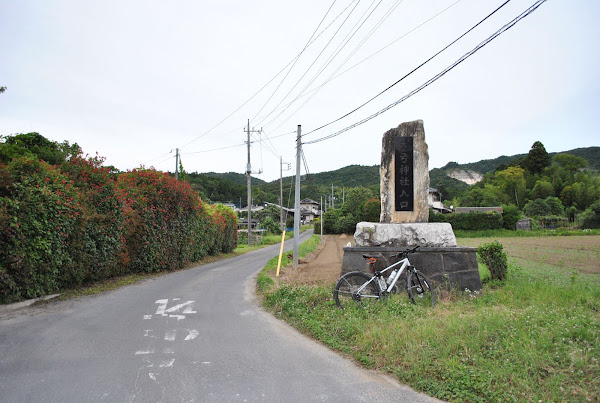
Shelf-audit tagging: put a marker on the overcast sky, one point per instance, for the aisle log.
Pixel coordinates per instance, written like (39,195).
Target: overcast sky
(133,80)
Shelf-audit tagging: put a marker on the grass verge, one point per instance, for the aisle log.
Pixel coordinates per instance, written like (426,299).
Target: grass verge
(529,339)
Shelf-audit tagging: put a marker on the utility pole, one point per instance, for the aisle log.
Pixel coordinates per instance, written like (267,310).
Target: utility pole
(289,166)
(297,199)
(332,198)
(176,163)
(322,218)
(249,184)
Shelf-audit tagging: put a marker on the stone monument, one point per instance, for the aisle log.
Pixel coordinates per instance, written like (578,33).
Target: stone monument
(404,178)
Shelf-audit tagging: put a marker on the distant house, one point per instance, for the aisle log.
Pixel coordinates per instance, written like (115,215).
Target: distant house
(242,224)
(478,209)
(309,209)
(434,200)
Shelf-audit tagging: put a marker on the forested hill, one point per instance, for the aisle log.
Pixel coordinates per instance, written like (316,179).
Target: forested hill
(590,154)
(231,186)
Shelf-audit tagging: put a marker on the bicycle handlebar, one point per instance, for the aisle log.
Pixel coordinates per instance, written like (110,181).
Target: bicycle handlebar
(408,251)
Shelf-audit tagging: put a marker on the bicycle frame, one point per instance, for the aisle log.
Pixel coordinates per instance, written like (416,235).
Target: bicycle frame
(404,262)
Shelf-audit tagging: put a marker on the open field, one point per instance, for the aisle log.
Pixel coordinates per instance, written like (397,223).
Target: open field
(534,338)
(581,253)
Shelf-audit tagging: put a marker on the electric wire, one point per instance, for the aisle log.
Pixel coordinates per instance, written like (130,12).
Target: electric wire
(315,91)
(506,27)
(373,54)
(265,85)
(314,61)
(155,158)
(295,61)
(411,72)
(336,52)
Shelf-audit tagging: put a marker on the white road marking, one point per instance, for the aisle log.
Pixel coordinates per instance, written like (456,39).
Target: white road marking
(192,334)
(147,333)
(167,363)
(170,336)
(179,317)
(144,352)
(188,307)
(146,317)
(168,351)
(162,306)
(152,376)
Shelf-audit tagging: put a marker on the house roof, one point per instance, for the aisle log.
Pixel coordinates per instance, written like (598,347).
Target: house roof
(309,201)
(478,209)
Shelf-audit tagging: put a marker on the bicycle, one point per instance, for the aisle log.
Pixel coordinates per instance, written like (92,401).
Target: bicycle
(362,289)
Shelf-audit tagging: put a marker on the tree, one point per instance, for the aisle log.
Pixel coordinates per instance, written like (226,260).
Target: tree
(2,89)
(37,146)
(571,163)
(371,210)
(537,159)
(355,197)
(542,189)
(512,181)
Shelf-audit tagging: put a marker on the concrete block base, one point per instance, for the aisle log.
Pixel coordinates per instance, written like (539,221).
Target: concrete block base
(450,268)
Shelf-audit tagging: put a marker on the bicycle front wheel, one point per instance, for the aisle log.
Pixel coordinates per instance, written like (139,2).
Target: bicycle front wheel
(346,291)
(419,289)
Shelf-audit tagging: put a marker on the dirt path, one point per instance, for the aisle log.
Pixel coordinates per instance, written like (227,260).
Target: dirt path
(321,267)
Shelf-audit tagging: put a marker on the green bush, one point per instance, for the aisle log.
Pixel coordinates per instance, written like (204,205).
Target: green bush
(345,224)
(510,216)
(492,255)
(270,226)
(590,218)
(289,223)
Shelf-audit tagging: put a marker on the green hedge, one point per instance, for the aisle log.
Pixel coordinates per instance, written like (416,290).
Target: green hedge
(470,221)
(62,226)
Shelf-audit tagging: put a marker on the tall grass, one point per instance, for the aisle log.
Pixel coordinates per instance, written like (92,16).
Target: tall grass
(528,339)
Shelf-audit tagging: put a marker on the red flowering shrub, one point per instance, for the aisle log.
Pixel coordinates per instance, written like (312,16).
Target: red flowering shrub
(39,221)
(62,226)
(98,251)
(230,233)
(162,217)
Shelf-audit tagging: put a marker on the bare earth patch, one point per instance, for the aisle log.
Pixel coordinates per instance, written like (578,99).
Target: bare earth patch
(321,267)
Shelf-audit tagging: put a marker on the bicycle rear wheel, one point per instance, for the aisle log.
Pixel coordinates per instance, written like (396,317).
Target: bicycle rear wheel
(420,290)
(346,292)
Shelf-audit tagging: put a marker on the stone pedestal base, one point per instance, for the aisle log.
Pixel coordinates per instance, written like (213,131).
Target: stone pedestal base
(405,234)
(448,268)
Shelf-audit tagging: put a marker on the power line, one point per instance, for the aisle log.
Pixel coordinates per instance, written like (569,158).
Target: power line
(370,56)
(316,90)
(314,61)
(264,86)
(295,61)
(437,76)
(412,71)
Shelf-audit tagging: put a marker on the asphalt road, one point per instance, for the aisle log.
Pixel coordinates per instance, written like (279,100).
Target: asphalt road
(194,335)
